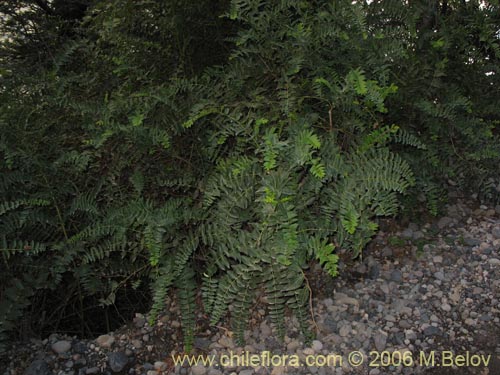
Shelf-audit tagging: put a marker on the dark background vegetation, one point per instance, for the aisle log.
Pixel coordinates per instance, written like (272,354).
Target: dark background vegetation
(149,146)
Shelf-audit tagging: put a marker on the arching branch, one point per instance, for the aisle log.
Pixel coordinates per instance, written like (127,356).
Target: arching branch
(42,4)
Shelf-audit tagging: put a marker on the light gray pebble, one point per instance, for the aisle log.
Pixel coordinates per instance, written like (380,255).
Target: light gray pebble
(60,347)
(139,320)
(160,366)
(105,341)
(494,261)
(201,343)
(136,343)
(265,330)
(361,268)
(390,318)
(439,275)
(387,251)
(198,370)
(437,259)
(477,290)
(308,351)
(418,235)
(404,324)
(413,226)
(407,233)
(293,345)
(385,288)
(317,346)
(444,222)
(344,331)
(380,341)
(410,335)
(226,342)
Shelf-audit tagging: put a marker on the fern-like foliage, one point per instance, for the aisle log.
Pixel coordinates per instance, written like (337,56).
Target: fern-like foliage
(144,141)
(287,183)
(186,287)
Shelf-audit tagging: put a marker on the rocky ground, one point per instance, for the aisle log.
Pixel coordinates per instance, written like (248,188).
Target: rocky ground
(420,291)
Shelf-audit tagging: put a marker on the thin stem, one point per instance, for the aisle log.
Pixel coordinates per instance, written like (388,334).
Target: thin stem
(311,309)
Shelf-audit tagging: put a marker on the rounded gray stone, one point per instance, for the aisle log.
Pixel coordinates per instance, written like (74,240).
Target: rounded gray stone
(160,366)
(198,370)
(444,222)
(387,251)
(417,235)
(432,331)
(317,346)
(407,233)
(469,241)
(60,347)
(380,341)
(494,262)
(396,276)
(105,341)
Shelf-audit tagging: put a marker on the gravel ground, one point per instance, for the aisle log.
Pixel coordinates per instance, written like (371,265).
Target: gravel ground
(424,300)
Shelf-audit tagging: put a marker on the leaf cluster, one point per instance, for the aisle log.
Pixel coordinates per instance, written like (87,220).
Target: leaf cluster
(220,147)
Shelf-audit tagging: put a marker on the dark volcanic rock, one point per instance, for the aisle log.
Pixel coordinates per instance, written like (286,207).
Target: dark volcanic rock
(117,361)
(38,367)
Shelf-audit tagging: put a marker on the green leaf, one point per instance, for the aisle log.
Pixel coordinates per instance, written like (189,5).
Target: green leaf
(357,80)
(137,119)
(350,220)
(318,169)
(199,115)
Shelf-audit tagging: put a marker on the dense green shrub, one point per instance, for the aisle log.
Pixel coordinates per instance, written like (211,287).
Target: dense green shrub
(448,79)
(165,144)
